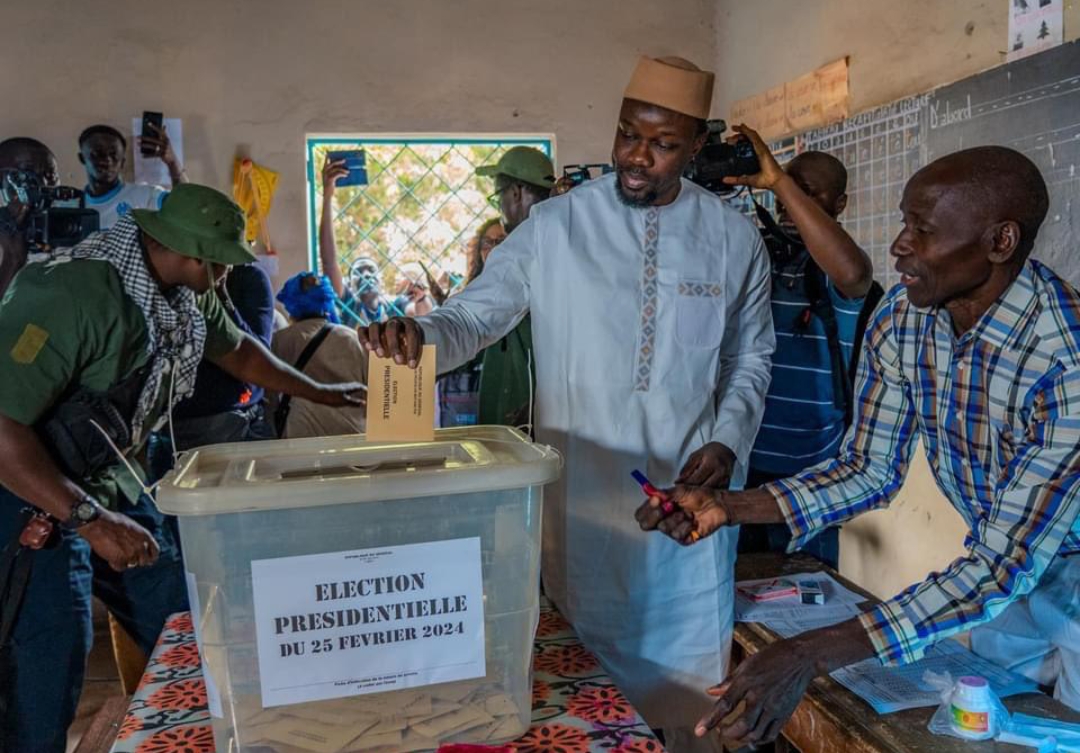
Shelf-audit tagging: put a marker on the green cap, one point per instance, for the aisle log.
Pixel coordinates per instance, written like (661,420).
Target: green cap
(200,222)
(523,163)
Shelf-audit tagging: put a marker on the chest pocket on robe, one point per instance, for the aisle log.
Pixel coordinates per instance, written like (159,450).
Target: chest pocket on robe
(699,314)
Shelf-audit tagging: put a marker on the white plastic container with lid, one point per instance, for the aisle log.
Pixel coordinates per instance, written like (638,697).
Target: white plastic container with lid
(355,596)
(971,709)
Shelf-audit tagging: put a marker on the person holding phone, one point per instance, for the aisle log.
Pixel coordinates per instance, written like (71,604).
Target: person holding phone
(103,153)
(361,300)
(413,296)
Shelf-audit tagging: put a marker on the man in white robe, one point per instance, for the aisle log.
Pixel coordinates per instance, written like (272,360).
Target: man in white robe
(653,336)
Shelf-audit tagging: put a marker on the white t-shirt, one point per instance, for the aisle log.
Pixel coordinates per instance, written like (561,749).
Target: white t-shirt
(121,200)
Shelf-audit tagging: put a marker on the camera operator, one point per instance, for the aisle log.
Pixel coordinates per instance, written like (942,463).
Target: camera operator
(28,155)
(821,283)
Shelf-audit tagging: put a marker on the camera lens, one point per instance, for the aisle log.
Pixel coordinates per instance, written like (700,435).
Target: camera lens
(64,226)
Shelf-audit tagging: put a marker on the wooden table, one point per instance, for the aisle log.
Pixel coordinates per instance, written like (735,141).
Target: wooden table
(832,719)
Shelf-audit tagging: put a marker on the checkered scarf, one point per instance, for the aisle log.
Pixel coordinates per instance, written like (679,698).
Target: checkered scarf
(175,327)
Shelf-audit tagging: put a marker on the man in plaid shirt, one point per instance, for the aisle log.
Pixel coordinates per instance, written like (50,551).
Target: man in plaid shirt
(977,353)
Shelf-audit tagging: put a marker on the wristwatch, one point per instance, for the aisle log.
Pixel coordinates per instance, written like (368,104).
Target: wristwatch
(86,510)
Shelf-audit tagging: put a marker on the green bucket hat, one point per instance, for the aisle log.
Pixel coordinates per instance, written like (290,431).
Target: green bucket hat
(200,222)
(523,163)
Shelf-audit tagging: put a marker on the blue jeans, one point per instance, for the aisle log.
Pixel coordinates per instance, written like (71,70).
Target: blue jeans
(775,537)
(53,632)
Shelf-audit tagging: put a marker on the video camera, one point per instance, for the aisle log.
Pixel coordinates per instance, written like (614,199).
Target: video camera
(578,174)
(718,160)
(48,227)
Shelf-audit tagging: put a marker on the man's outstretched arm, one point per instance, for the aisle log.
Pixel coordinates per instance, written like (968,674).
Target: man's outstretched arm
(482,314)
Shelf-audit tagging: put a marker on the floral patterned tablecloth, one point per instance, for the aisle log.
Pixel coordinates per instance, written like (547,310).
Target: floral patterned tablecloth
(576,707)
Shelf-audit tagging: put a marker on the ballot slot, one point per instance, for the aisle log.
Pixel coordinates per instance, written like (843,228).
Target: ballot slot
(225,478)
(357,461)
(351,470)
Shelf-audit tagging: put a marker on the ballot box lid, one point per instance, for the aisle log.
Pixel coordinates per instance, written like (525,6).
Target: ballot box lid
(293,473)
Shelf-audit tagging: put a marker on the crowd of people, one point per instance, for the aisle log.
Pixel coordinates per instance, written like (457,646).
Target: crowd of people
(162,329)
(636,321)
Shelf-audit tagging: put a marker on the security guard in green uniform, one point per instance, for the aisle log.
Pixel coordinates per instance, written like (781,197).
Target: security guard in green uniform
(524,176)
(97,343)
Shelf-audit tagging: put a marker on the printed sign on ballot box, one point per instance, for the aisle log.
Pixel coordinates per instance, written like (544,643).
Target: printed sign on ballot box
(368,621)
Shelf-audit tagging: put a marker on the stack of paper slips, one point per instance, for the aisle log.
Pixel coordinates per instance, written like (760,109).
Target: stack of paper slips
(397,722)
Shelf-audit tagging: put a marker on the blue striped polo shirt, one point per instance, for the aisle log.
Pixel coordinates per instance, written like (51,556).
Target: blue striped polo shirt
(801,426)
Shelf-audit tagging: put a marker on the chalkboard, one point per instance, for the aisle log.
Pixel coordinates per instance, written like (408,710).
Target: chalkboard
(1031,105)
(881,149)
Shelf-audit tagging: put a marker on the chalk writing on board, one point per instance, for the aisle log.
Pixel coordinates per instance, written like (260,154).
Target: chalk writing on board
(940,118)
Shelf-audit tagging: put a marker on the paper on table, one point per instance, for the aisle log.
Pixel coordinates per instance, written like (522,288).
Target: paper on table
(889,689)
(789,616)
(886,689)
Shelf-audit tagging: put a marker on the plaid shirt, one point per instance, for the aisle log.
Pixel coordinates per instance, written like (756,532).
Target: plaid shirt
(998,412)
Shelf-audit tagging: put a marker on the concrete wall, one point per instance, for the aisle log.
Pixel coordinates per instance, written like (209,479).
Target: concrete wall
(255,77)
(895,49)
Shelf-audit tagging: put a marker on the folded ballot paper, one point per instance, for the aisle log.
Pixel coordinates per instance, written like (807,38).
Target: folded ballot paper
(401,722)
(401,401)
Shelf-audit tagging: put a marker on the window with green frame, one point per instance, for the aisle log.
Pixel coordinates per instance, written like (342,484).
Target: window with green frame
(422,203)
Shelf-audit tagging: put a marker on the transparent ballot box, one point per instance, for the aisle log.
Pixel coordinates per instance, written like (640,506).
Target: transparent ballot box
(358,596)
